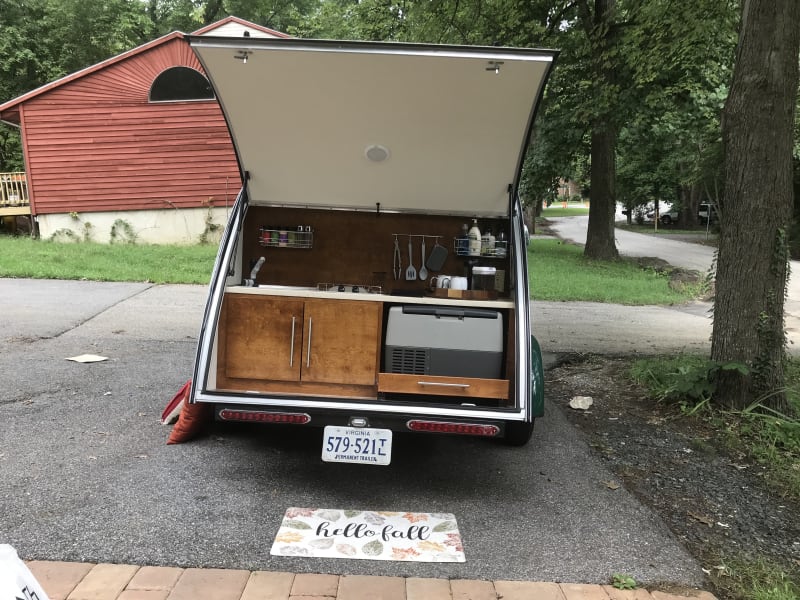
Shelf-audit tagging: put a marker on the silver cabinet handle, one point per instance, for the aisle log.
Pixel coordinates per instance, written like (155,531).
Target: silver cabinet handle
(308,350)
(291,351)
(439,384)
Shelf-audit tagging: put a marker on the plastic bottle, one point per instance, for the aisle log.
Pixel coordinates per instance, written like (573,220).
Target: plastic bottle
(474,239)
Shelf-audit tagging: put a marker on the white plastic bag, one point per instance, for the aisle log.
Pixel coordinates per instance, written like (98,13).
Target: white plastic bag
(16,580)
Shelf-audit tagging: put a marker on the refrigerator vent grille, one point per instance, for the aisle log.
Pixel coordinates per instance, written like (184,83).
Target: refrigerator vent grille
(411,361)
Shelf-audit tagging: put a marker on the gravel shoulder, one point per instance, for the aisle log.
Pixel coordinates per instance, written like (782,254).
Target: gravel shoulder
(716,503)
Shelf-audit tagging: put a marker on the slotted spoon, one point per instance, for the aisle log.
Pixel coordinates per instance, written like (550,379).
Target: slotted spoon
(423,271)
(411,272)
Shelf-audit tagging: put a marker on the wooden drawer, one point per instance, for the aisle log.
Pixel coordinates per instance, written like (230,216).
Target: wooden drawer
(466,387)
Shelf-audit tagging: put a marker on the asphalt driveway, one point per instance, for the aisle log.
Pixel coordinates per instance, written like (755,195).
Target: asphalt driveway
(87,475)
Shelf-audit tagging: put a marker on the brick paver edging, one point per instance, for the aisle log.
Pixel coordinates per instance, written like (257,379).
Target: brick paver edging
(87,581)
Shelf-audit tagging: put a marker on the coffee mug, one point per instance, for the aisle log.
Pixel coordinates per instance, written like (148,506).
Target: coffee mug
(458,283)
(440,281)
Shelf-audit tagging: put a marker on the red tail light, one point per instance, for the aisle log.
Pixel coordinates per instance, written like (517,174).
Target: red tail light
(457,428)
(260,416)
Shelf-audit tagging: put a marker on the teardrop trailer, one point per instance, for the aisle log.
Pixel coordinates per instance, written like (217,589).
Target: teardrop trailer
(357,158)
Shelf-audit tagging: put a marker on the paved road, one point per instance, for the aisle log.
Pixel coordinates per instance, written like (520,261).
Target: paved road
(86,474)
(650,329)
(679,254)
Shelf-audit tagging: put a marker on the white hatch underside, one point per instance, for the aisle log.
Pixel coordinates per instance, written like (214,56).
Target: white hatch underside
(348,125)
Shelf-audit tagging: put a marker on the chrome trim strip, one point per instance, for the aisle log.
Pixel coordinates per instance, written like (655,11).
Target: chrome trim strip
(356,408)
(361,47)
(216,289)
(383,209)
(522,303)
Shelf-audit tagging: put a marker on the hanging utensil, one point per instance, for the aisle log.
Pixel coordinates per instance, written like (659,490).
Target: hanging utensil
(423,272)
(397,267)
(438,256)
(411,272)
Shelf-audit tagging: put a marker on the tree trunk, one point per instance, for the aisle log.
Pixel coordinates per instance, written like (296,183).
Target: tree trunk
(690,204)
(600,242)
(752,265)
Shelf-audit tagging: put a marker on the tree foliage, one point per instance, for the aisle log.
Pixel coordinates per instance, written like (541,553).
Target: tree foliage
(632,111)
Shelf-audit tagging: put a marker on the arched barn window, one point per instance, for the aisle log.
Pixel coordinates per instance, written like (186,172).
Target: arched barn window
(180,83)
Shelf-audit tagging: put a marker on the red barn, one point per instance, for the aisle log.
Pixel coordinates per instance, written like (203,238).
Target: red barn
(133,147)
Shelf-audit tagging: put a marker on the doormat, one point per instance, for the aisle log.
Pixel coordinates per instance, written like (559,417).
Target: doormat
(373,535)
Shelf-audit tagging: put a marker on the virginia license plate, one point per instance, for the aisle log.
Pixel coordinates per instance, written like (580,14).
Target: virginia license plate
(357,445)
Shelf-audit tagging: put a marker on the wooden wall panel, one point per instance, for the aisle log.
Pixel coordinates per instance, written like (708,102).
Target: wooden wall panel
(97,144)
(356,247)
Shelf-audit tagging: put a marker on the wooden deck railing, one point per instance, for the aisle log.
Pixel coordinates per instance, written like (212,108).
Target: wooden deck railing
(14,198)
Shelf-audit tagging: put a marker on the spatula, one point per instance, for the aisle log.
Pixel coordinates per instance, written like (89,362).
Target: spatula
(411,272)
(423,272)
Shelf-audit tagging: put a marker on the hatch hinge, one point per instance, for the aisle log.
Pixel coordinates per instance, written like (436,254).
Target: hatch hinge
(242,55)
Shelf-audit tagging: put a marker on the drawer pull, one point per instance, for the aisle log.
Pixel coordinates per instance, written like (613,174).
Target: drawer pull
(439,384)
(291,350)
(308,349)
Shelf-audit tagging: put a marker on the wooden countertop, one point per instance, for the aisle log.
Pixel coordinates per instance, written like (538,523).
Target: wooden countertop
(300,292)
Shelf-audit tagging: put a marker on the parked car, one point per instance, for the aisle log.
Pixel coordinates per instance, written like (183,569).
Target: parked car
(665,217)
(703,212)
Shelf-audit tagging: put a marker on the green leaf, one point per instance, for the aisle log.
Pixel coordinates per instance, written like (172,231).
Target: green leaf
(295,524)
(373,548)
(446,526)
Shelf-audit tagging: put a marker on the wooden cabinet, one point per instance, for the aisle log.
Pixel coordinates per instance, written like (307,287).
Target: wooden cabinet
(296,343)
(341,341)
(261,337)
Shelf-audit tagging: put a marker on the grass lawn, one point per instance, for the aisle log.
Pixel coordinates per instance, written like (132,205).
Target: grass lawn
(38,259)
(559,272)
(559,211)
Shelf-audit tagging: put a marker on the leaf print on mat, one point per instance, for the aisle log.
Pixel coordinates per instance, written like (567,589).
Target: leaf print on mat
(352,513)
(373,548)
(443,516)
(373,518)
(431,547)
(414,517)
(321,543)
(295,524)
(293,512)
(329,515)
(404,553)
(446,526)
(454,541)
(294,551)
(388,514)
(289,537)
(346,549)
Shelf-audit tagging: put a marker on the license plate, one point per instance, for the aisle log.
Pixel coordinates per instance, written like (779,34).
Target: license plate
(360,445)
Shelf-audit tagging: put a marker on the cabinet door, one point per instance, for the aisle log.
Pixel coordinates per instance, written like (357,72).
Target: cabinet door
(263,337)
(340,341)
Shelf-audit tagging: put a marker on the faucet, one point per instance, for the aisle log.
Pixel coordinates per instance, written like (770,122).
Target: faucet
(254,273)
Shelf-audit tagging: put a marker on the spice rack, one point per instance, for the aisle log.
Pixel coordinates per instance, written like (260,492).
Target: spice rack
(301,236)
(461,248)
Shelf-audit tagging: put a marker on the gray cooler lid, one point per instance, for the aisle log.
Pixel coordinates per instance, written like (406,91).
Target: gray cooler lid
(477,330)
